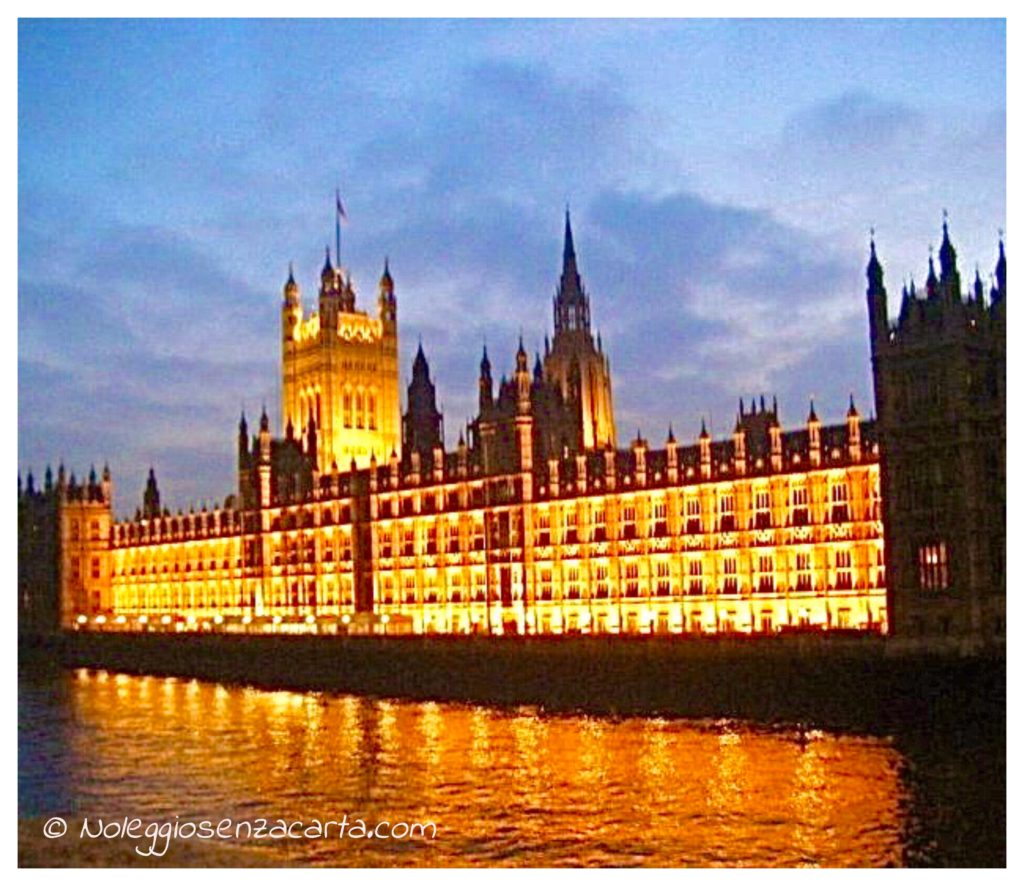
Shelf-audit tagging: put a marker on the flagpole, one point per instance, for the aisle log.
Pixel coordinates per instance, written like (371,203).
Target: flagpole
(337,227)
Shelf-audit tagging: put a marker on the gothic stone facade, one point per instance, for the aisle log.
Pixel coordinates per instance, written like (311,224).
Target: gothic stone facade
(536,523)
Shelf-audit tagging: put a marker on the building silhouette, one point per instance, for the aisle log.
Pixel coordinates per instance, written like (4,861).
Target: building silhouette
(536,522)
(940,389)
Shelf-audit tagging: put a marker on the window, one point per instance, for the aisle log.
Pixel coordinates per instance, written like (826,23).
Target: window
(660,524)
(798,505)
(844,571)
(632,580)
(74,530)
(726,512)
(762,509)
(765,574)
(840,502)
(693,515)
(569,533)
(573,583)
(661,581)
(545,584)
(730,583)
(599,524)
(601,581)
(803,572)
(933,566)
(767,622)
(543,529)
(628,521)
(94,530)
(695,581)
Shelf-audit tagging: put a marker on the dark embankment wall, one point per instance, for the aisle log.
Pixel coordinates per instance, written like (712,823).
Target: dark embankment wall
(862,684)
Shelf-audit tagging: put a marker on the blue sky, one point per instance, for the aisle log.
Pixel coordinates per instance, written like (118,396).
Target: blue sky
(723,176)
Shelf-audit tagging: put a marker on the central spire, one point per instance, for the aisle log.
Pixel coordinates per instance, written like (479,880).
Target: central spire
(569,252)
(571,308)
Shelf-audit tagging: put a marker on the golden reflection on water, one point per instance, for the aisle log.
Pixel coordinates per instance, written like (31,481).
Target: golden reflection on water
(503,787)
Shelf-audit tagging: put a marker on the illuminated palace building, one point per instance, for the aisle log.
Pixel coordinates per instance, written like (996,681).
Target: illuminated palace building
(357,519)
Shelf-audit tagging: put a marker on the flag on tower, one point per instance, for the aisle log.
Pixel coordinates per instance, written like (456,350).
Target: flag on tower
(339,214)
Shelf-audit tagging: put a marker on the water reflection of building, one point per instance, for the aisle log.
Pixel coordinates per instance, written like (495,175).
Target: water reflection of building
(534,523)
(505,787)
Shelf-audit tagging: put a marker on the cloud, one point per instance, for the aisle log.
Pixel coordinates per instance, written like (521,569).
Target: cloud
(159,315)
(854,121)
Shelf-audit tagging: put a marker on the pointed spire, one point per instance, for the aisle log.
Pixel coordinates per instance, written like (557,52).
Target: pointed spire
(485,365)
(947,254)
(420,367)
(569,248)
(932,282)
(852,411)
(1001,269)
(671,437)
(328,269)
(264,419)
(812,415)
(538,368)
(572,311)
(874,272)
(703,430)
(979,287)
(387,284)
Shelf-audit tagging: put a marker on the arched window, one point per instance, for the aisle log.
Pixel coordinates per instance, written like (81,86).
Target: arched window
(346,408)
(371,411)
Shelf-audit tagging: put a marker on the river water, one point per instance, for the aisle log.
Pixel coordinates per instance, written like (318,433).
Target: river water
(502,787)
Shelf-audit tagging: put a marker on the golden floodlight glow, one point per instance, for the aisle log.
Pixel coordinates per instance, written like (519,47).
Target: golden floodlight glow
(82,619)
(165,620)
(218,619)
(310,619)
(143,619)
(345,619)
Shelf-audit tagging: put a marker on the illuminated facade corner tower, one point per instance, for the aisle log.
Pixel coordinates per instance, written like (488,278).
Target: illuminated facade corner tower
(940,390)
(339,369)
(574,362)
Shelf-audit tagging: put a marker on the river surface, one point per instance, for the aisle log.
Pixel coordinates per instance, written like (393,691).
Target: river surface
(502,787)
